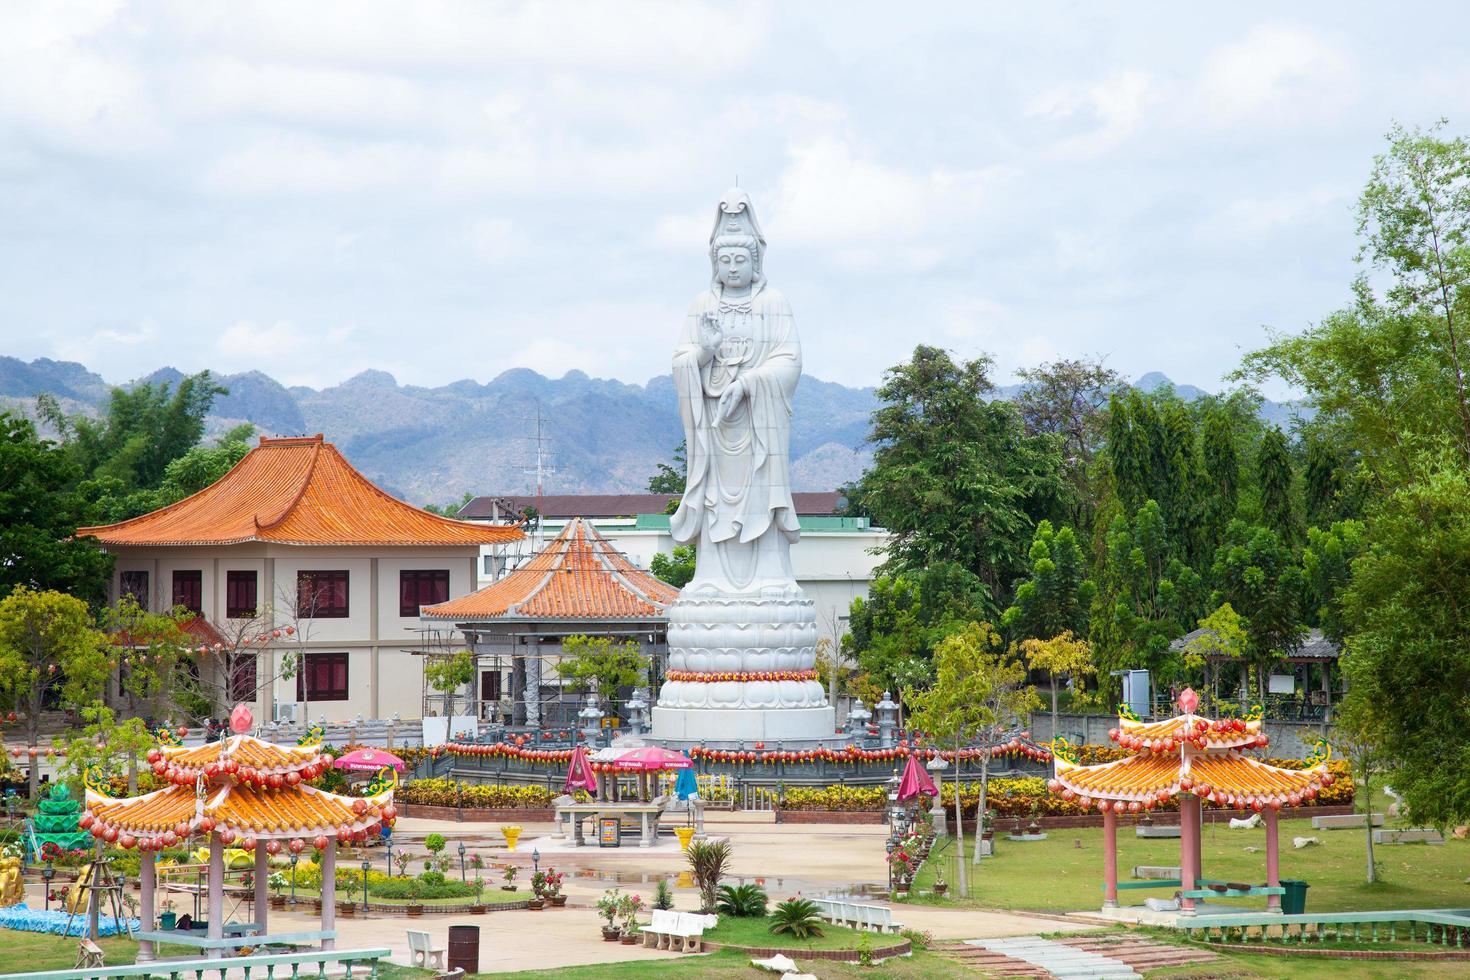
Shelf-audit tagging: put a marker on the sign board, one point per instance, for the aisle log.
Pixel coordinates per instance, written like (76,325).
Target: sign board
(1281,684)
(1136,692)
(609,832)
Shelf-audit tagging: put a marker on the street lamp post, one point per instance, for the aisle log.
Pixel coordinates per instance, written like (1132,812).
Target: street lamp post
(47,873)
(294,858)
(461,862)
(366,867)
(535,860)
(390,857)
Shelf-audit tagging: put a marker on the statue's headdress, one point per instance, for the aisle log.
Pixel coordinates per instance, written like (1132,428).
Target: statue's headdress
(736,225)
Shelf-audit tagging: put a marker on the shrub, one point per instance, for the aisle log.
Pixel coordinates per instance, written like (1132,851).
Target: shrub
(432,879)
(707,860)
(435,843)
(419,888)
(742,901)
(797,918)
(663,895)
(447,792)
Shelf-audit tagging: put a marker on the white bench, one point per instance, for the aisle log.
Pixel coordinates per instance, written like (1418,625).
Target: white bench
(685,928)
(1345,821)
(422,951)
(879,918)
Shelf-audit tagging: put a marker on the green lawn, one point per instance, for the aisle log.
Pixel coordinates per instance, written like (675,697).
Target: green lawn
(1265,967)
(756,932)
(31,951)
(921,966)
(1065,872)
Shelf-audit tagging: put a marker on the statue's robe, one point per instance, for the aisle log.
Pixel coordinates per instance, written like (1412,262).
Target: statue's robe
(737,503)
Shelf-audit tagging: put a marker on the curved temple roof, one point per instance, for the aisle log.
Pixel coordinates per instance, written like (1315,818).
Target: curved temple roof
(577,576)
(298,492)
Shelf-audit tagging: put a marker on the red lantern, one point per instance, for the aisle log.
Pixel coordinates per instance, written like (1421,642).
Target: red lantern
(320,843)
(226,838)
(247,844)
(170,838)
(154,755)
(292,778)
(276,780)
(85,820)
(206,824)
(273,847)
(297,845)
(127,842)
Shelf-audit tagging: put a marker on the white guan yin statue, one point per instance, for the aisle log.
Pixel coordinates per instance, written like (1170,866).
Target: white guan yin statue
(742,636)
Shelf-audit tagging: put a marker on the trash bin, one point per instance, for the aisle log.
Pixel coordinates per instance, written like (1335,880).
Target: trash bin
(464,948)
(1294,902)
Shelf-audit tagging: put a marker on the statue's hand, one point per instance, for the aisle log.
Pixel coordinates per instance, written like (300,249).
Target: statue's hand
(730,401)
(711,335)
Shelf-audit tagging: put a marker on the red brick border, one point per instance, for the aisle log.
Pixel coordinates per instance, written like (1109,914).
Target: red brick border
(1343,954)
(1063,822)
(840,955)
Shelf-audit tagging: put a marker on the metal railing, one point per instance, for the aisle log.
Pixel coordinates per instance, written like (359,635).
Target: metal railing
(290,965)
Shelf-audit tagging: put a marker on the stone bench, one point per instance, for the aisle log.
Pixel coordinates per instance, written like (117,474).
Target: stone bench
(1346,821)
(1155,830)
(1156,871)
(1413,835)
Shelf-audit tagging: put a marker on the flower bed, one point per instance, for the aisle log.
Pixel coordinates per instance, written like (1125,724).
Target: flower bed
(452,793)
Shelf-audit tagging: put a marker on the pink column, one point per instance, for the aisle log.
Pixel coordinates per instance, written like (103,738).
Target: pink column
(1273,859)
(1110,859)
(262,877)
(147,877)
(329,891)
(216,888)
(1188,847)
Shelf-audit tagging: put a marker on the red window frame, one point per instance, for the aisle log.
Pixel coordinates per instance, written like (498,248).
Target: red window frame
(421,587)
(490,685)
(322,594)
(242,595)
(323,677)
(189,589)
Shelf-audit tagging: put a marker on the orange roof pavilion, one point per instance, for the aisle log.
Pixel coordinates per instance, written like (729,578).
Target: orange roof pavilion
(298,491)
(578,576)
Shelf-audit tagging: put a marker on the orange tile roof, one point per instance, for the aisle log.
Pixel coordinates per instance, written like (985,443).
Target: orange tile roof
(247,750)
(1143,777)
(246,811)
(151,813)
(577,576)
(295,491)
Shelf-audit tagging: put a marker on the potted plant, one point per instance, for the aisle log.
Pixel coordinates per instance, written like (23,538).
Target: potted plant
(403,859)
(277,884)
(552,889)
(435,844)
(629,906)
(414,907)
(510,879)
(940,886)
(169,917)
(607,908)
(479,907)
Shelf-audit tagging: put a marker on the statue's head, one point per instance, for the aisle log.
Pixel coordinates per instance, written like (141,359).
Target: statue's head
(736,245)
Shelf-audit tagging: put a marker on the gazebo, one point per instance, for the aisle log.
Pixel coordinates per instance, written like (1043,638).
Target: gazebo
(1194,759)
(245,792)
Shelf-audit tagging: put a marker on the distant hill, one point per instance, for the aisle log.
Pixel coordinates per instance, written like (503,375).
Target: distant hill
(431,445)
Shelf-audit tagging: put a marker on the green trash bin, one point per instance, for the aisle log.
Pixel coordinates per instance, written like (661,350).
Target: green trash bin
(1294,902)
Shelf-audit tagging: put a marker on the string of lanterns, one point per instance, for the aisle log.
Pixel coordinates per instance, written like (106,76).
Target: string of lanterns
(743,675)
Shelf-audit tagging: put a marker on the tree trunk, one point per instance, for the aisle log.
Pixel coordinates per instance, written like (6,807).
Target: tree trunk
(980,806)
(959,828)
(33,734)
(1053,705)
(132,774)
(1368,829)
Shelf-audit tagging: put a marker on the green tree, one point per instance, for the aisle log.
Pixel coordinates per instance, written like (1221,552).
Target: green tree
(601,664)
(1153,455)
(449,675)
(1256,574)
(48,651)
(671,479)
(1220,469)
(1145,595)
(955,477)
(1360,734)
(1274,476)
(1064,655)
(1222,639)
(1327,565)
(40,512)
(1068,399)
(451,508)
(104,743)
(893,632)
(1056,595)
(677,569)
(154,649)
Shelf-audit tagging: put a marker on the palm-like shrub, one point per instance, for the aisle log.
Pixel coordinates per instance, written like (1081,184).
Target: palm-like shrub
(707,860)
(742,901)
(797,918)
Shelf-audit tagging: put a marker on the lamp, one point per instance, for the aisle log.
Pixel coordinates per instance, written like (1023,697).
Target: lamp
(47,873)
(461,862)
(366,867)
(294,858)
(535,860)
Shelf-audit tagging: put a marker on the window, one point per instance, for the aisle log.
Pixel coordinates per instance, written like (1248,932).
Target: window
(421,587)
(321,595)
(242,677)
(134,582)
(323,678)
(240,598)
(490,685)
(189,590)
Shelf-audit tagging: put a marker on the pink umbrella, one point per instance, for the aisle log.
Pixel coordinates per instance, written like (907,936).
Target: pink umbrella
(579,773)
(652,757)
(369,760)
(915,781)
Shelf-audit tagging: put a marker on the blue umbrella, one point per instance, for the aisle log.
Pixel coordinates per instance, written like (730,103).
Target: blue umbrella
(685,785)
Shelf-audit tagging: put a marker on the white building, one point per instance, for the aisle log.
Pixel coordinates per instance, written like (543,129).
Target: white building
(833,561)
(294,552)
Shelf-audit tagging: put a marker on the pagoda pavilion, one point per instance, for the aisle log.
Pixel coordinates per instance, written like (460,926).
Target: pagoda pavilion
(238,792)
(577,584)
(1194,759)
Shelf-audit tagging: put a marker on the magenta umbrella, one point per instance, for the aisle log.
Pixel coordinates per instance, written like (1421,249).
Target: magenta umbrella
(650,758)
(579,773)
(915,781)
(369,760)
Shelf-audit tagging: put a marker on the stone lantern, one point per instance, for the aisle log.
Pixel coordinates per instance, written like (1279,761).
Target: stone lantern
(887,720)
(591,716)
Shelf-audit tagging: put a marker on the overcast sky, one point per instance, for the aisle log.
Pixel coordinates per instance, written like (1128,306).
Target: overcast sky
(447,191)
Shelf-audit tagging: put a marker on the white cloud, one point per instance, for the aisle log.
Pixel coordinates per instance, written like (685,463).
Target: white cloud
(101,346)
(289,353)
(1108,111)
(1251,219)
(1278,74)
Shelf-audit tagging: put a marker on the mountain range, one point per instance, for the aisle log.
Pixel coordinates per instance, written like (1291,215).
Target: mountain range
(431,445)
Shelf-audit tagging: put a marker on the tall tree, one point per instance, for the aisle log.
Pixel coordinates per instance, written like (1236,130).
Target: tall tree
(1255,573)
(49,655)
(1327,565)
(1220,467)
(1273,473)
(39,513)
(1064,655)
(955,477)
(1068,399)
(450,675)
(1056,595)
(1221,639)
(601,664)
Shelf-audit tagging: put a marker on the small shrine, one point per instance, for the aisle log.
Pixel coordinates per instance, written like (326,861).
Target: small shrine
(58,823)
(1193,759)
(239,792)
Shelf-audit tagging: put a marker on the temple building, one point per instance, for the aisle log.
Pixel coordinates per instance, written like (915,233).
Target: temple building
(577,584)
(294,552)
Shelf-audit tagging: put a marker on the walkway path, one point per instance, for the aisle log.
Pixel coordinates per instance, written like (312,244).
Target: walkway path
(1104,957)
